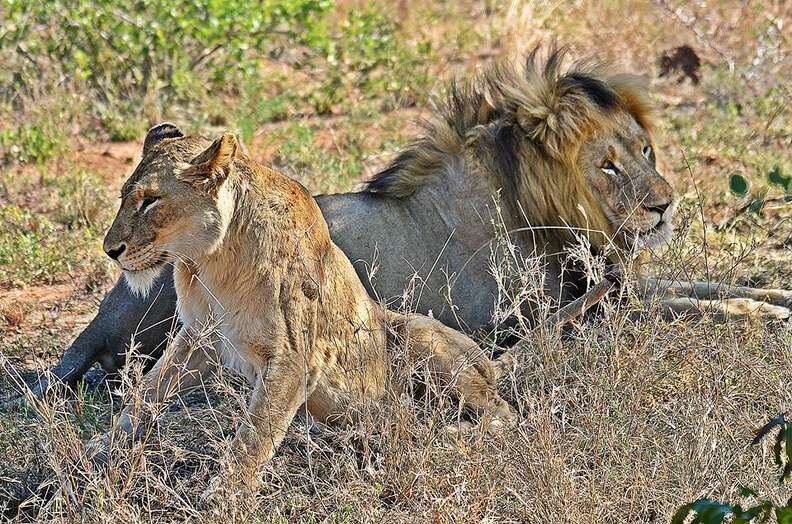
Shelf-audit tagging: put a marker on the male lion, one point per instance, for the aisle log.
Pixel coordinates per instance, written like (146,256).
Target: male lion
(262,289)
(567,149)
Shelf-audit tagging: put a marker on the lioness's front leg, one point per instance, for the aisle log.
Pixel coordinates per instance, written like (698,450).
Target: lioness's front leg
(189,360)
(281,387)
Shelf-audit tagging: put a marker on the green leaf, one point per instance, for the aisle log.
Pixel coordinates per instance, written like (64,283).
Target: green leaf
(746,492)
(784,514)
(777,447)
(745,517)
(777,177)
(710,511)
(681,514)
(785,437)
(756,205)
(739,185)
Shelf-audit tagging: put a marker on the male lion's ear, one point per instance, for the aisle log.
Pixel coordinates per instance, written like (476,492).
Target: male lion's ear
(159,133)
(213,165)
(550,127)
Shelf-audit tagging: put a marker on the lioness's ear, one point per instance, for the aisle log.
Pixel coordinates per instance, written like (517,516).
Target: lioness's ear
(159,133)
(212,166)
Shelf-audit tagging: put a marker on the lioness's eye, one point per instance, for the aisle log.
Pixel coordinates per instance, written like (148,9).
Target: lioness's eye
(147,203)
(647,152)
(609,168)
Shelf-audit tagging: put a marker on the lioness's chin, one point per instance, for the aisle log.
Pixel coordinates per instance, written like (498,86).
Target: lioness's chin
(141,282)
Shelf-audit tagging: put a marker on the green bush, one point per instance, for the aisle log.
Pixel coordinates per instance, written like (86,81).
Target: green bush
(126,50)
(27,252)
(133,62)
(368,50)
(80,198)
(301,158)
(31,142)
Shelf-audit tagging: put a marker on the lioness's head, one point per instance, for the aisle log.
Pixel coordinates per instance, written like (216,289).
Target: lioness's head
(174,206)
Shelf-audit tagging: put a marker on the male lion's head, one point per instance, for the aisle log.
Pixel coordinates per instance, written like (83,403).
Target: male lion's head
(621,167)
(569,147)
(174,206)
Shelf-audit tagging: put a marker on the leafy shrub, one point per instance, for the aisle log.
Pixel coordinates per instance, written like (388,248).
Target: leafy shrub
(254,109)
(367,48)
(25,250)
(301,158)
(125,50)
(709,511)
(139,60)
(80,199)
(757,200)
(35,141)
(122,120)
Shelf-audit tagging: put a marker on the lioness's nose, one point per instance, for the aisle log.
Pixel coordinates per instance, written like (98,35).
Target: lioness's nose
(659,208)
(115,252)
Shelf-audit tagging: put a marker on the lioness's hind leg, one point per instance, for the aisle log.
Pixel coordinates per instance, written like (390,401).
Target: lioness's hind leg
(454,361)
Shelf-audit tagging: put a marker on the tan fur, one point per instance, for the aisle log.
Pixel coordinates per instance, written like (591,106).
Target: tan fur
(262,289)
(525,129)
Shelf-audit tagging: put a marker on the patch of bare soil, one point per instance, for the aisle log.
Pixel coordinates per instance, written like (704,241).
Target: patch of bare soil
(26,306)
(34,318)
(114,160)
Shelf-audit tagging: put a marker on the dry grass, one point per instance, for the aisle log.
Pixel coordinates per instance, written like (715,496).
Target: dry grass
(619,423)
(622,421)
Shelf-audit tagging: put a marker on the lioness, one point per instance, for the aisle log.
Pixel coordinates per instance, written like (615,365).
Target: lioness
(568,149)
(262,289)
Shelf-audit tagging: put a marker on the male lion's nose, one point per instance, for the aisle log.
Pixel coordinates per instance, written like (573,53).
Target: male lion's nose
(659,208)
(114,253)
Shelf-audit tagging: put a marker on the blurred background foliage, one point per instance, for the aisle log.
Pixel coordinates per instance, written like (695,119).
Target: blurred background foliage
(142,58)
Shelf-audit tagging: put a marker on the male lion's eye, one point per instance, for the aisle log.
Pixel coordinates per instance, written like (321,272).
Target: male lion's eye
(647,152)
(147,203)
(609,169)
